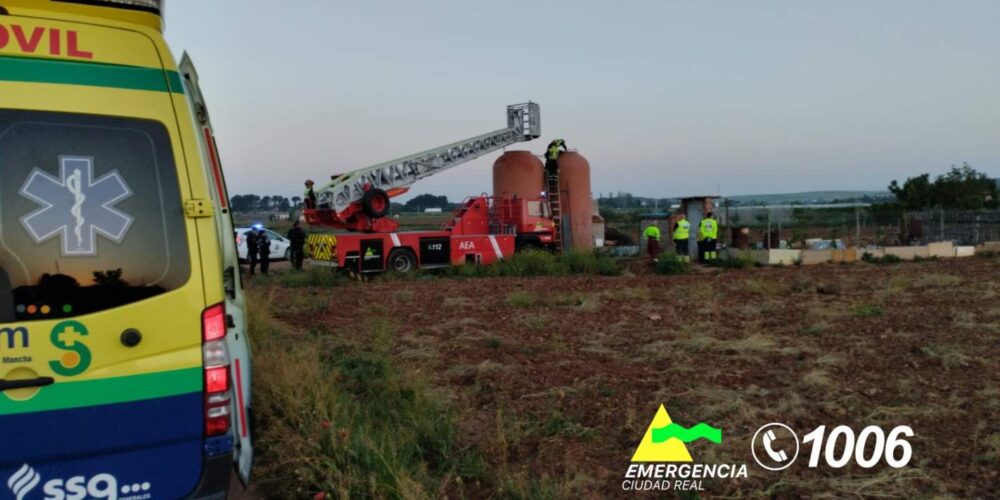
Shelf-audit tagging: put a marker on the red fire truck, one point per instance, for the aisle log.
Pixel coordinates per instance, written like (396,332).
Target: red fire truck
(483,230)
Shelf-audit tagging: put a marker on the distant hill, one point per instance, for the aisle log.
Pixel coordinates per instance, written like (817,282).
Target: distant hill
(811,197)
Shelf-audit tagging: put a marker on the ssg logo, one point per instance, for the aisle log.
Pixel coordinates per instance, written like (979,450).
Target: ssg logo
(104,485)
(23,481)
(68,336)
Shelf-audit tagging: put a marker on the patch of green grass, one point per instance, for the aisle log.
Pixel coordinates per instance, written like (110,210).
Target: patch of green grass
(868,311)
(558,424)
(950,356)
(534,321)
(522,299)
(312,276)
(667,263)
(991,445)
(542,263)
(522,485)
(579,301)
(590,262)
(298,304)
(347,420)
(899,283)
(816,329)
(635,294)
(461,302)
(938,280)
(760,286)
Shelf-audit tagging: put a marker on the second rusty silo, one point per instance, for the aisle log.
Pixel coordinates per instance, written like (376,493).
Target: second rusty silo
(518,173)
(576,201)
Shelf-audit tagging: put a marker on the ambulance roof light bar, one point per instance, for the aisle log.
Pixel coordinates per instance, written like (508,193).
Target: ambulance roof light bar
(154,6)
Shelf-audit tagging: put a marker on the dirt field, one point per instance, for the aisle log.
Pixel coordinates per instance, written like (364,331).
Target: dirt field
(553,381)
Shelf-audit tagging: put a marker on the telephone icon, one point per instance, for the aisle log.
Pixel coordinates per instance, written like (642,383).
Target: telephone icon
(777,456)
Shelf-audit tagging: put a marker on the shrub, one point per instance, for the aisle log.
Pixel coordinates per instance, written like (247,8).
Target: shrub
(667,263)
(521,299)
(891,259)
(868,311)
(733,262)
(885,259)
(312,276)
(532,263)
(592,262)
(542,263)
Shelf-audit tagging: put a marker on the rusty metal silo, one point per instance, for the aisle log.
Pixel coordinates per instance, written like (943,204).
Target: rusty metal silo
(518,173)
(574,190)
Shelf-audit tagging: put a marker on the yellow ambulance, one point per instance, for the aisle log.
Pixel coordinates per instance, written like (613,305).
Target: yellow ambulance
(124,362)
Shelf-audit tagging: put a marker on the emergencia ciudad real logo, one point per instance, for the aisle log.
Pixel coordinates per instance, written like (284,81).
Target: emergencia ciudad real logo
(663,462)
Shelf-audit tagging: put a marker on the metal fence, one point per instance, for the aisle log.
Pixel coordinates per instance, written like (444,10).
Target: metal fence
(856,225)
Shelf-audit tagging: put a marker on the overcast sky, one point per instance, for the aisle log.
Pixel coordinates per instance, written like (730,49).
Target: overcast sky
(665,98)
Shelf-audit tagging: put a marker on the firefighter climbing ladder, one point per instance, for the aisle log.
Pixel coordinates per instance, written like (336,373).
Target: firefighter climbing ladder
(523,124)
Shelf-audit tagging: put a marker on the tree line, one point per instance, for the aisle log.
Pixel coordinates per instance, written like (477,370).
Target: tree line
(961,188)
(255,203)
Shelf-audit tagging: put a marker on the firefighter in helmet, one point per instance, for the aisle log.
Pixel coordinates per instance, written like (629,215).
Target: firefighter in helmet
(556,147)
(310,196)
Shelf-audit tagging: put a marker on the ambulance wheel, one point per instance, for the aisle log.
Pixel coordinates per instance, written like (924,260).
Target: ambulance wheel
(375,203)
(402,261)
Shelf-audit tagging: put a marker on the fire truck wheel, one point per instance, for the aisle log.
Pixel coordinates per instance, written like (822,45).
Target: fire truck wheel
(402,261)
(375,203)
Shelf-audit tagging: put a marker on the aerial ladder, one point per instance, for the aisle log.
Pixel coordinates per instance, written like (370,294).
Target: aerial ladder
(359,200)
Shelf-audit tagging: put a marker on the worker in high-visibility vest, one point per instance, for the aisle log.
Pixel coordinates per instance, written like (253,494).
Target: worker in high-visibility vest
(708,233)
(309,198)
(652,235)
(682,233)
(556,147)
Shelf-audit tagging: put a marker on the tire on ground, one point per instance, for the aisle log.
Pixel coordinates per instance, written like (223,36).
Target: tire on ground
(522,243)
(401,260)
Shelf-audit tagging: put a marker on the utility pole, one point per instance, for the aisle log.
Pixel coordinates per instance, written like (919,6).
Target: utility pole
(857,226)
(942,224)
(769,228)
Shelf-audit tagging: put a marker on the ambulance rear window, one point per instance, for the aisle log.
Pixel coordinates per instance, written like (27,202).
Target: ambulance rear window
(90,214)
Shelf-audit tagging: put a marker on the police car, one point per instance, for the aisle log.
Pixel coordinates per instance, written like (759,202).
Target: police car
(280,246)
(124,362)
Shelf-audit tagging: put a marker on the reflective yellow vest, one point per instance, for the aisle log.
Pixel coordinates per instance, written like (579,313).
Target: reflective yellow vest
(683,230)
(652,232)
(554,150)
(710,228)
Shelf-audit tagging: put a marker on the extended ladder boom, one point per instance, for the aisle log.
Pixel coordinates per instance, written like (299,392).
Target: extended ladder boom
(395,177)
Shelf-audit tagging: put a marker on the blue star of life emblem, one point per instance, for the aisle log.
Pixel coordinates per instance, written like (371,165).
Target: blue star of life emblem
(76,206)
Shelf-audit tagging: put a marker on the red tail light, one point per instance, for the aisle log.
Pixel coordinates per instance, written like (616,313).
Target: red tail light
(217,379)
(213,323)
(215,359)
